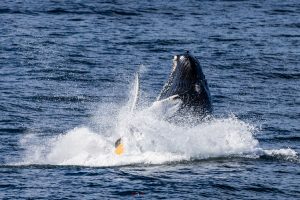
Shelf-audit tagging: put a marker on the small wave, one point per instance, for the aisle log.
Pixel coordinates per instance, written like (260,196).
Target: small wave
(111,13)
(16,130)
(287,35)
(73,99)
(282,11)
(291,138)
(4,10)
(17,11)
(161,42)
(220,39)
(281,154)
(263,188)
(293,25)
(277,75)
(122,13)
(59,11)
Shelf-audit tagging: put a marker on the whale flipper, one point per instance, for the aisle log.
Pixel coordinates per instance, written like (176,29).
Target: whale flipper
(133,101)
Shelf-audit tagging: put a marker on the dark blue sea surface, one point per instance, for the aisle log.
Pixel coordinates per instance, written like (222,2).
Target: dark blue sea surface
(67,68)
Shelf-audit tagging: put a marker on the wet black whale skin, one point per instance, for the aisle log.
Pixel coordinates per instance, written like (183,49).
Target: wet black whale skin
(187,82)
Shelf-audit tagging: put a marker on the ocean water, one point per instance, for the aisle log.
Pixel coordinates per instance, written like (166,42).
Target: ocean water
(67,74)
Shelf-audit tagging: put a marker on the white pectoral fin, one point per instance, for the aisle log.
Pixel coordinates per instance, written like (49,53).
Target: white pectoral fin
(166,107)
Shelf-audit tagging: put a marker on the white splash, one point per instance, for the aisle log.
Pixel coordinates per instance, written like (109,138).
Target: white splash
(148,139)
(286,154)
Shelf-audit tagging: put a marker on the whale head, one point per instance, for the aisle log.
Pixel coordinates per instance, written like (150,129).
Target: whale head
(186,74)
(187,81)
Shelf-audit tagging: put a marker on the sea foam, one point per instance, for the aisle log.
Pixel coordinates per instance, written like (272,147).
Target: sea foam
(148,138)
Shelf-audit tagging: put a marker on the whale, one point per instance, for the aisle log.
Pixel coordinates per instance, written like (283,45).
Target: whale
(187,82)
(184,99)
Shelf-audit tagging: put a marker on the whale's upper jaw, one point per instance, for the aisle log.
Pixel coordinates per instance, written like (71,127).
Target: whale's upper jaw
(186,73)
(187,68)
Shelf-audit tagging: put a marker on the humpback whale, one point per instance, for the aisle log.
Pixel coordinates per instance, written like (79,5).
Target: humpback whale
(186,83)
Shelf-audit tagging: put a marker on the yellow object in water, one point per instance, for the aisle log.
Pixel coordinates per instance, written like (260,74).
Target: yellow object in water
(119,147)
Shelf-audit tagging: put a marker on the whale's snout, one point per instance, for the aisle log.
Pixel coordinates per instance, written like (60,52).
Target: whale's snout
(186,67)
